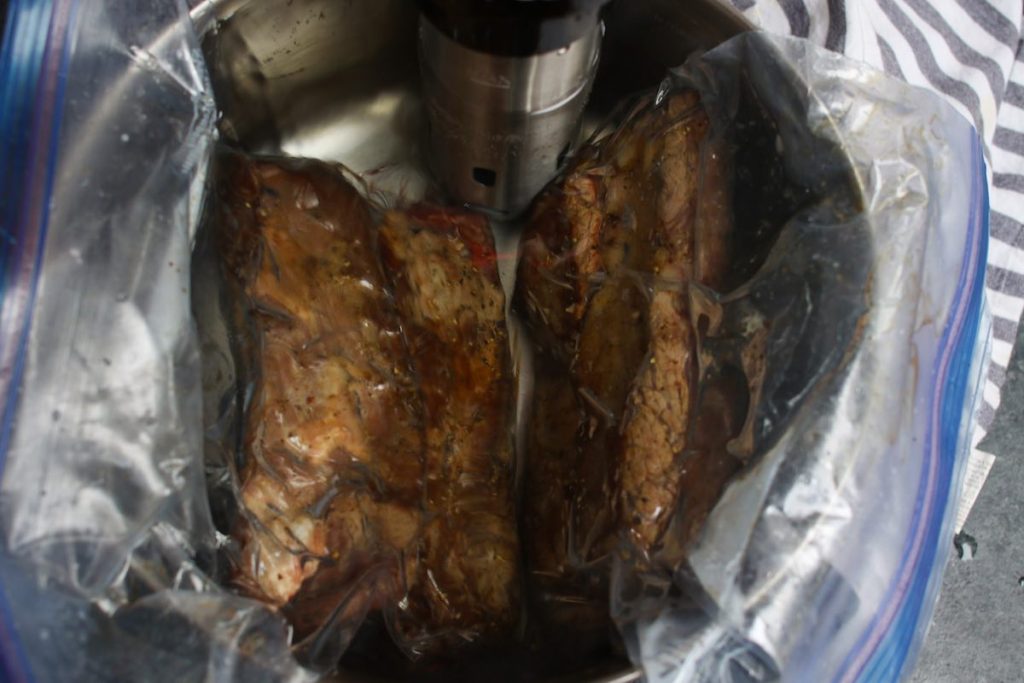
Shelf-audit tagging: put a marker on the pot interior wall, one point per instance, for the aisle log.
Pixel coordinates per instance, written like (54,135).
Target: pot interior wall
(339,80)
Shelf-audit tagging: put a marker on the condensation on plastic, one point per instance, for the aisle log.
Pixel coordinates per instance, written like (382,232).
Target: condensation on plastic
(819,562)
(822,559)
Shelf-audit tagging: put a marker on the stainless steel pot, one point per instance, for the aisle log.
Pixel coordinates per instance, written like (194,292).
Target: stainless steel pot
(339,81)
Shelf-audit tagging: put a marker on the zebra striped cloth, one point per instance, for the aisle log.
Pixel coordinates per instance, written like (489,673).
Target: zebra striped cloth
(971,52)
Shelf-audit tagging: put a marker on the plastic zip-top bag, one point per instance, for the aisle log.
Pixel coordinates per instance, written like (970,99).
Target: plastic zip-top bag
(855,333)
(107,126)
(823,558)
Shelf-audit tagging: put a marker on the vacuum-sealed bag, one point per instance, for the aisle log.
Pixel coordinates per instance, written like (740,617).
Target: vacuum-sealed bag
(842,343)
(359,398)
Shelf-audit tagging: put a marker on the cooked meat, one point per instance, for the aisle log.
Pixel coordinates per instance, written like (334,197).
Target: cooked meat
(656,424)
(565,590)
(608,260)
(332,480)
(443,268)
(377,455)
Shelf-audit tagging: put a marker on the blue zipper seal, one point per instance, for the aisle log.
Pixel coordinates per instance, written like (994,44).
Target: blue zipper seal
(34,57)
(886,658)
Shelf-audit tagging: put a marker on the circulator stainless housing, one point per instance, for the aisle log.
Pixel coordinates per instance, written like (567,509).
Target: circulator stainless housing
(500,126)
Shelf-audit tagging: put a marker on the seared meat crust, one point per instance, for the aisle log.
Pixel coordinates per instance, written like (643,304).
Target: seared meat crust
(377,443)
(443,267)
(609,257)
(332,480)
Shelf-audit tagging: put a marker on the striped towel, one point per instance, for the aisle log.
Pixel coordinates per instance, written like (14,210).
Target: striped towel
(971,52)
